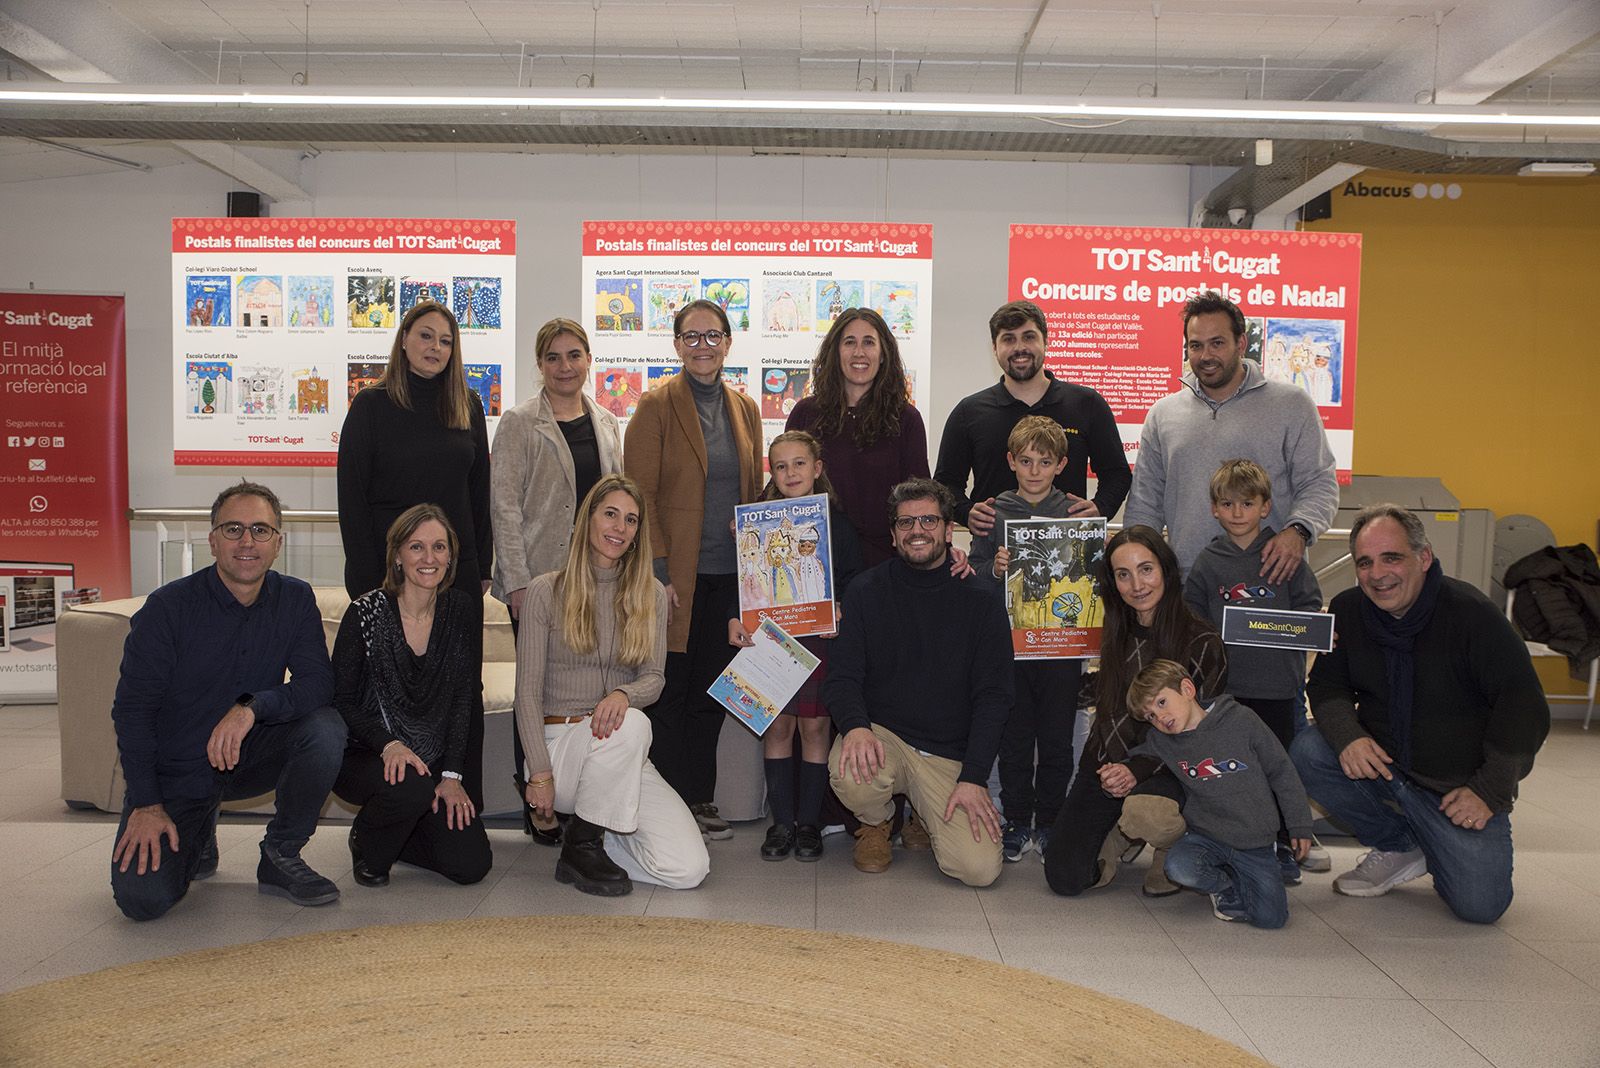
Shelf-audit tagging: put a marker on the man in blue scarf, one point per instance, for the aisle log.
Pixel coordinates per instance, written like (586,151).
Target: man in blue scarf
(1428,714)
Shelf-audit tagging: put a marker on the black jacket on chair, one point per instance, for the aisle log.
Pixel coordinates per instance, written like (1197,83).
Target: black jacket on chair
(1558,601)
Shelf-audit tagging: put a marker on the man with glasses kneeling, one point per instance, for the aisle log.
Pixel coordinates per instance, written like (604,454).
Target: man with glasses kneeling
(203,715)
(920,686)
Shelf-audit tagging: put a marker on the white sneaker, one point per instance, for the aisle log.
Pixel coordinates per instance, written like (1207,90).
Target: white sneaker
(1317,857)
(1378,872)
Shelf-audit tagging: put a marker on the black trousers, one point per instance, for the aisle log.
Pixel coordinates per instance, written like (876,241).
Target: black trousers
(685,720)
(1032,789)
(397,822)
(298,760)
(1071,859)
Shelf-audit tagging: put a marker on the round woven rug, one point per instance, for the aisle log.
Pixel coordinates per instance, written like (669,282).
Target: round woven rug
(569,990)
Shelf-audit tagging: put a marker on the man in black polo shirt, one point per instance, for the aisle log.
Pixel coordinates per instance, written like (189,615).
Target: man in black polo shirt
(975,435)
(202,714)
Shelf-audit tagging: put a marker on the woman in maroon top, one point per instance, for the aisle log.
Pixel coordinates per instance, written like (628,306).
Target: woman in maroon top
(872,438)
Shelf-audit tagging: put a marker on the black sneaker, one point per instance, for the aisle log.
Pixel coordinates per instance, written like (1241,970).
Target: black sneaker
(779,843)
(712,826)
(208,859)
(286,875)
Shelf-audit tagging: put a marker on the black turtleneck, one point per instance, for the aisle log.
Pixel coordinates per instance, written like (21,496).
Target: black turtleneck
(391,459)
(928,656)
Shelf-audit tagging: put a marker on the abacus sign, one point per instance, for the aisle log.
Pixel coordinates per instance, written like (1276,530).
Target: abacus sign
(278,323)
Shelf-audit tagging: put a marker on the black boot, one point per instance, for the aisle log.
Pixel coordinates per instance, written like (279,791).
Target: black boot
(546,833)
(359,867)
(584,863)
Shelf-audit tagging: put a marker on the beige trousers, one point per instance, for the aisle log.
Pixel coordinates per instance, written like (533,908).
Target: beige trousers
(927,780)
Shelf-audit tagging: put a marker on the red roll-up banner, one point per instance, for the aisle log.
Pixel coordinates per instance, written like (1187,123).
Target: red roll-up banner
(63,474)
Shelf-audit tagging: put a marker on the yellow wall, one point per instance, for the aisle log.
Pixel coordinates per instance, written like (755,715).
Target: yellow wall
(1479,351)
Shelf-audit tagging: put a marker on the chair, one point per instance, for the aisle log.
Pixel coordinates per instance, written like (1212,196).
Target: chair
(1541,649)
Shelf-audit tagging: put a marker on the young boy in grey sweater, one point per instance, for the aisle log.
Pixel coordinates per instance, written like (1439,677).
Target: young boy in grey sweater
(1238,784)
(1270,682)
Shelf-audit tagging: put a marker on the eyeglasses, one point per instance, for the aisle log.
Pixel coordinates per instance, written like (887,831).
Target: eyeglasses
(926,522)
(692,338)
(235,531)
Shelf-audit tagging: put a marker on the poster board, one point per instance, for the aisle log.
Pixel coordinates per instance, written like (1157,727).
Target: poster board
(63,473)
(781,284)
(1113,298)
(278,323)
(1055,610)
(785,561)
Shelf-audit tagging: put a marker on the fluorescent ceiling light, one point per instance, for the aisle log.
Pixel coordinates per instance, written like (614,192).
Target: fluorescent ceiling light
(1556,170)
(837,103)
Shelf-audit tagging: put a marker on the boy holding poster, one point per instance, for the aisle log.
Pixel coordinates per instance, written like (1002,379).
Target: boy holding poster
(783,568)
(1228,573)
(1046,703)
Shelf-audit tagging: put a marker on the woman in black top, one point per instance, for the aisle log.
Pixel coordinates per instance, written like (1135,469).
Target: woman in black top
(419,436)
(403,681)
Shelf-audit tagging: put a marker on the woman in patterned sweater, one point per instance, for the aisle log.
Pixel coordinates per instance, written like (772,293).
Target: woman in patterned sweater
(404,678)
(1146,620)
(590,655)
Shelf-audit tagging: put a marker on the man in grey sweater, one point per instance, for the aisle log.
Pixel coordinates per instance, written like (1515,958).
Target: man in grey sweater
(1236,781)
(1227,409)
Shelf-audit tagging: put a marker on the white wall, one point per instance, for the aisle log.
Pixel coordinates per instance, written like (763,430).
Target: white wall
(111,233)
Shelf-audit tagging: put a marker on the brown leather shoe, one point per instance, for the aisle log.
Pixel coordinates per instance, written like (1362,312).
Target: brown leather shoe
(914,837)
(872,847)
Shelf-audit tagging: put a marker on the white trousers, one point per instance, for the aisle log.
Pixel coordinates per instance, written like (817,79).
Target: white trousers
(610,782)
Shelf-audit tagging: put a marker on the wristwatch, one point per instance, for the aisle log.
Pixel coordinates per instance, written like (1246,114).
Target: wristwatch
(245,700)
(1304,531)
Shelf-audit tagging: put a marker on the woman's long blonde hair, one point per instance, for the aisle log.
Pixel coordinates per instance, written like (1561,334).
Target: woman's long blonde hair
(635,604)
(455,400)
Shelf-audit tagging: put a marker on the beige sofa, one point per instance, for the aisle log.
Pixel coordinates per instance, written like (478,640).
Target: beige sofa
(89,651)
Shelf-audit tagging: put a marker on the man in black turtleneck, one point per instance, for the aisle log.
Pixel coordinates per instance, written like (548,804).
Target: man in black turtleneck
(920,685)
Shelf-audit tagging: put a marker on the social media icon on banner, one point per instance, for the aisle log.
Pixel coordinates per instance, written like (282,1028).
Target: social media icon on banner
(38,503)
(59,442)
(44,443)
(13,442)
(27,443)
(35,465)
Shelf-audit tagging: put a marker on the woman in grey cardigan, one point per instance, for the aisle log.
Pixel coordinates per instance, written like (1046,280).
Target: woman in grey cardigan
(549,452)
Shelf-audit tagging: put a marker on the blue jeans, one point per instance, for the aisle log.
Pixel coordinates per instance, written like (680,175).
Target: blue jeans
(1213,867)
(1471,869)
(297,760)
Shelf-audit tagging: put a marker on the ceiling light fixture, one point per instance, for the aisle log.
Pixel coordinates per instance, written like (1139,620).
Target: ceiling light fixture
(1556,169)
(839,103)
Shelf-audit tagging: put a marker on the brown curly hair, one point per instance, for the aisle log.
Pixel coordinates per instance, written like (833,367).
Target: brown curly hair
(885,399)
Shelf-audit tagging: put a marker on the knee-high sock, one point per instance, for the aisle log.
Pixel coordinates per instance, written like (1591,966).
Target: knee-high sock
(813,785)
(780,788)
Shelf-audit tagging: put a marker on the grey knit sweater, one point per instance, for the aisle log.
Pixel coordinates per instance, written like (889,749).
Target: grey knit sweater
(552,680)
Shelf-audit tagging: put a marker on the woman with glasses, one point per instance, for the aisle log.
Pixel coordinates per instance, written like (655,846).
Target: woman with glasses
(589,655)
(403,681)
(549,451)
(872,437)
(694,448)
(419,435)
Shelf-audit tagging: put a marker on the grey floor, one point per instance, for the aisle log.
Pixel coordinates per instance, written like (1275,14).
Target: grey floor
(1395,981)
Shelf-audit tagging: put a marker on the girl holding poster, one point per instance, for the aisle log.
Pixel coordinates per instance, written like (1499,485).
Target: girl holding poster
(416,436)
(796,461)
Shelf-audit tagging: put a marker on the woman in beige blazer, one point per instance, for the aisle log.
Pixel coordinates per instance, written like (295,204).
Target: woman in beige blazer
(694,448)
(549,451)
